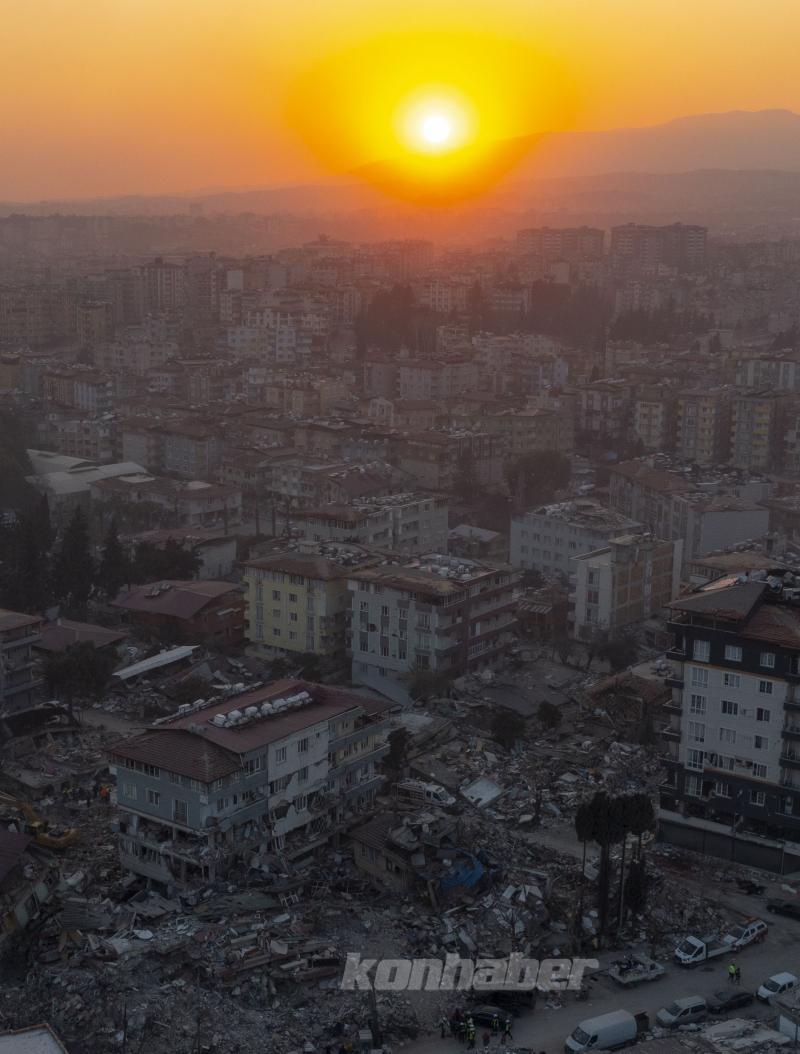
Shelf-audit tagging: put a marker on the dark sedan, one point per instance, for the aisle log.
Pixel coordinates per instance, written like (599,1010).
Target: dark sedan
(784,907)
(482,1015)
(728,999)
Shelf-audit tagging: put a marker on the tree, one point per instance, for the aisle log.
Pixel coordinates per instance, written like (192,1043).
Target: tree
(584,829)
(618,652)
(637,886)
(74,567)
(534,478)
(562,647)
(80,672)
(548,715)
(114,570)
(605,824)
(397,756)
(152,563)
(508,727)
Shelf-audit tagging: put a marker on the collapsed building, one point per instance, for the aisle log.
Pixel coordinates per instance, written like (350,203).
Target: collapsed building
(277,770)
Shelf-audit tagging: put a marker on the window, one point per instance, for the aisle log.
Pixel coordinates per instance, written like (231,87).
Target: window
(280,784)
(699,678)
(761,742)
(252,765)
(300,802)
(727,735)
(180,811)
(302,774)
(762,714)
(384,610)
(219,784)
(223,804)
(729,707)
(293,598)
(760,771)
(276,594)
(693,786)
(292,634)
(276,612)
(733,653)
(701,651)
(768,660)
(293,616)
(363,642)
(302,745)
(385,647)
(153,797)
(765,687)
(280,755)
(758,797)
(276,633)
(697,732)
(402,649)
(731,680)
(694,759)
(129,791)
(697,704)
(722,790)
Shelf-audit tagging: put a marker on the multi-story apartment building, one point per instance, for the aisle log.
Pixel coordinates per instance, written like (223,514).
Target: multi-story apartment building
(733,737)
(550,538)
(20,683)
(438,613)
(94,322)
(604,409)
(408,523)
(297,601)
(702,426)
(756,430)
(632,578)
(435,459)
(532,430)
(277,770)
(155,500)
(635,246)
(652,420)
(673,507)
(436,380)
(562,243)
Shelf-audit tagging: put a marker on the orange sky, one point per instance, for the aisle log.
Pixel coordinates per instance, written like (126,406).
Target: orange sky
(127,96)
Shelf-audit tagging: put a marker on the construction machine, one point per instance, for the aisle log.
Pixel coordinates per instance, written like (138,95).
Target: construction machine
(38,829)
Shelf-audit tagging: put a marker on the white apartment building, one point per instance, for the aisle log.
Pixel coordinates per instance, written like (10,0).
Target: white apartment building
(733,737)
(437,613)
(548,539)
(631,579)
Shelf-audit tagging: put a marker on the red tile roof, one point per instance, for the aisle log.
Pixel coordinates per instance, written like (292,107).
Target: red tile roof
(181,600)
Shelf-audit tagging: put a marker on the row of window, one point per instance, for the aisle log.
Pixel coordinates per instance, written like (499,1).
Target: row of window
(701,652)
(698,759)
(694,788)
(697,734)
(700,679)
(698,706)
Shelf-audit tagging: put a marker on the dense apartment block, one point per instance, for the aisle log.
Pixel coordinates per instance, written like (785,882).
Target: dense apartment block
(702,426)
(562,243)
(157,500)
(636,246)
(626,582)
(548,539)
(278,770)
(20,683)
(733,737)
(297,601)
(438,613)
(676,508)
(409,523)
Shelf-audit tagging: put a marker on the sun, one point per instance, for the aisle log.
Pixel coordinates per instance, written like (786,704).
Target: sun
(436,129)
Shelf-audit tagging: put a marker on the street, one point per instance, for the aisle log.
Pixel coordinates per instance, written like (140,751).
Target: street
(546,1030)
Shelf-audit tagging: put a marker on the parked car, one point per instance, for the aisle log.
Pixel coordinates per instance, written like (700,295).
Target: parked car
(483,1015)
(728,999)
(776,985)
(790,908)
(752,931)
(683,1012)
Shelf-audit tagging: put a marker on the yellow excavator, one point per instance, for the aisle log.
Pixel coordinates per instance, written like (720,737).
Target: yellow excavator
(36,827)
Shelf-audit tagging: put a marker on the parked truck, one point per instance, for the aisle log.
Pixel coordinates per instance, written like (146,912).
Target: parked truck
(607,1032)
(635,969)
(695,950)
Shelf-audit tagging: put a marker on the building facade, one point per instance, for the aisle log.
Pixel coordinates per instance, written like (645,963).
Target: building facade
(20,683)
(277,770)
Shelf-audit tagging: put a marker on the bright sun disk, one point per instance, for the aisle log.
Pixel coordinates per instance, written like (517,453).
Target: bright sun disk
(436,129)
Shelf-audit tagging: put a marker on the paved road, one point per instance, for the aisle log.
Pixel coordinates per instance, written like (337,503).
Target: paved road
(546,1030)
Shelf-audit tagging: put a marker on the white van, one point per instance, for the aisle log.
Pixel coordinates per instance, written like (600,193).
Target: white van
(606,1032)
(776,985)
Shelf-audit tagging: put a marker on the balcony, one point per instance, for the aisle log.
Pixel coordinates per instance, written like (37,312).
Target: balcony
(792,704)
(675,706)
(675,680)
(374,755)
(676,654)
(791,732)
(668,732)
(340,742)
(790,760)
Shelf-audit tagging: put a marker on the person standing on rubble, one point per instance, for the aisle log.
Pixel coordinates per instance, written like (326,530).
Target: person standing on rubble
(732,973)
(495,1023)
(487,1039)
(470,1034)
(105,795)
(444,1025)
(506,1030)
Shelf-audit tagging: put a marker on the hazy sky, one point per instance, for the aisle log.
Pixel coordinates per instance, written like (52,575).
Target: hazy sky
(118,96)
